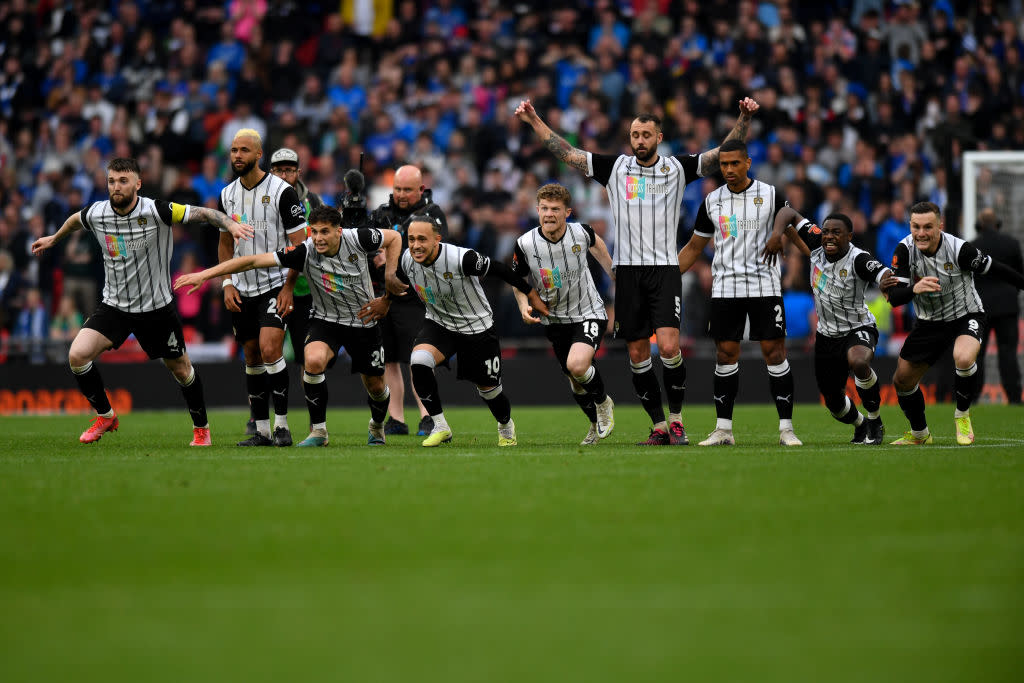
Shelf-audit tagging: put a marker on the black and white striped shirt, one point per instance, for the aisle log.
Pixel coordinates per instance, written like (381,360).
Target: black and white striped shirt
(450,289)
(645,203)
(340,284)
(560,273)
(137,251)
(274,211)
(741,223)
(954,264)
(839,286)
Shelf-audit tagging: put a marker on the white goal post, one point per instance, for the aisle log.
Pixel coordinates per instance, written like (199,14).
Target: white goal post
(993,180)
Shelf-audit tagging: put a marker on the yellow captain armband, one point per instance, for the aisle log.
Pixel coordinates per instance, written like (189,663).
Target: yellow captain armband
(178,212)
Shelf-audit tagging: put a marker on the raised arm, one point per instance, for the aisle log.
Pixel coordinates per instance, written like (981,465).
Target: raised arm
(73,222)
(709,159)
(235,265)
(555,143)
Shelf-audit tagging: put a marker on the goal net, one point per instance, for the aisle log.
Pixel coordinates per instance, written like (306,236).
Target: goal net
(994,180)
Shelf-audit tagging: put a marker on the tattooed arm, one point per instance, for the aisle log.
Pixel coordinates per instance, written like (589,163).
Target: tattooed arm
(555,143)
(709,159)
(219,220)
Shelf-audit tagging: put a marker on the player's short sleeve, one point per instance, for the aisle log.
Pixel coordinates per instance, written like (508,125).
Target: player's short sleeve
(84,215)
(868,268)
(520,264)
(599,166)
(293,256)
(475,263)
(780,203)
(702,225)
(369,239)
(591,235)
(811,235)
(691,167)
(291,210)
(170,212)
(970,258)
(901,263)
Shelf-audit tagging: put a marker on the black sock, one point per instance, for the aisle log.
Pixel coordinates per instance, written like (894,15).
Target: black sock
(315,389)
(499,405)
(869,392)
(726,386)
(90,383)
(780,381)
(964,386)
(192,390)
(379,405)
(645,382)
(593,384)
(259,390)
(425,383)
(586,403)
(277,380)
(842,409)
(912,405)
(674,374)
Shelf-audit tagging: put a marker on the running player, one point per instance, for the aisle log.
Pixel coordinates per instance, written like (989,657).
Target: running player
(335,262)
(553,258)
(134,233)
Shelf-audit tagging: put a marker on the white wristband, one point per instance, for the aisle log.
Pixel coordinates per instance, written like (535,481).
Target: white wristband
(801,224)
(224,283)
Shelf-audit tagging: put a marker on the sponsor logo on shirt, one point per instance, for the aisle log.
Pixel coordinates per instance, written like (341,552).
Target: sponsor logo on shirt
(639,188)
(332,282)
(118,246)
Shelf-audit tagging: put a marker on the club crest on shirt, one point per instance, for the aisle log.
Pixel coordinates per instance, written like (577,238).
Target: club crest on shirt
(576,248)
(352,258)
(664,168)
(842,272)
(758,201)
(143,221)
(947,266)
(266,199)
(448,275)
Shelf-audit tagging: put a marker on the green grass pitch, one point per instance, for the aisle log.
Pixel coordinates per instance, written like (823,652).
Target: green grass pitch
(139,559)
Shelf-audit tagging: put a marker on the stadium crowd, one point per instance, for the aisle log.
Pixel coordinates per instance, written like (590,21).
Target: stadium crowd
(865,108)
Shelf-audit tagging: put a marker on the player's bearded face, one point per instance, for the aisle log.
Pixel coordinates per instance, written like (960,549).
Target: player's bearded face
(644,139)
(241,166)
(122,189)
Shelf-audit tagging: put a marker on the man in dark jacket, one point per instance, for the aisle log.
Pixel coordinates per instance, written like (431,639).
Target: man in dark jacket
(1001,302)
(405,317)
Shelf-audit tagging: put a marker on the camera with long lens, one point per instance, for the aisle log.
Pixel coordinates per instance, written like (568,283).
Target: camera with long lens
(353,206)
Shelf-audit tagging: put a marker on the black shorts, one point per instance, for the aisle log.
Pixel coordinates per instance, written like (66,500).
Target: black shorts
(563,336)
(831,365)
(257,312)
(400,327)
(158,332)
(646,298)
(729,318)
(363,344)
(929,339)
(479,355)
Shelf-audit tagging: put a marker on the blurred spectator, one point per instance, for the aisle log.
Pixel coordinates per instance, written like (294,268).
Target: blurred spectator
(67,321)
(190,304)
(31,329)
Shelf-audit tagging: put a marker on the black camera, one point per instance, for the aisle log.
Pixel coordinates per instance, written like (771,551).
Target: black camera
(353,206)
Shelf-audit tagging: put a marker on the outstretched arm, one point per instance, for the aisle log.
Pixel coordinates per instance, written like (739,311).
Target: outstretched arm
(555,143)
(219,220)
(709,159)
(73,222)
(784,219)
(235,265)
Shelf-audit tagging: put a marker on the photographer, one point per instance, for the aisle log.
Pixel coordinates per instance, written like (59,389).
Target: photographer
(406,315)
